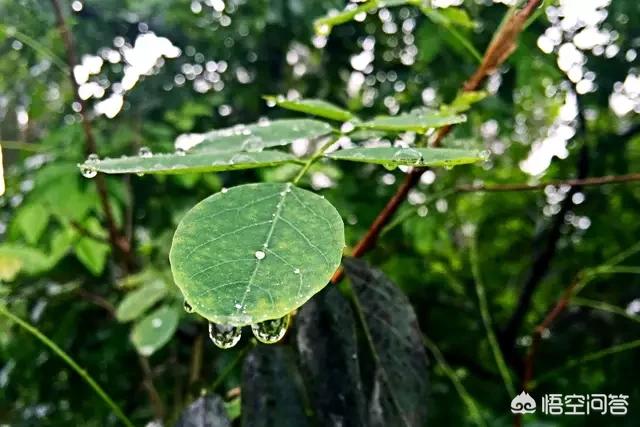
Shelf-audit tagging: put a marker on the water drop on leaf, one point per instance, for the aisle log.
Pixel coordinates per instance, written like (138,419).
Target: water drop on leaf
(408,156)
(144,152)
(88,172)
(180,152)
(224,336)
(260,255)
(271,331)
(187,307)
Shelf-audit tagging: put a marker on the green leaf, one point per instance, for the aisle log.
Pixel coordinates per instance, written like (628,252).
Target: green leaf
(464,101)
(315,107)
(400,388)
(206,411)
(90,252)
(324,25)
(272,389)
(450,16)
(256,252)
(17,258)
(328,349)
(155,330)
(137,302)
(393,157)
(32,219)
(188,163)
(419,121)
(255,137)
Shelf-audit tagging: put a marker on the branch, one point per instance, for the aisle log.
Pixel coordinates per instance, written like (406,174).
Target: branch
(502,45)
(586,182)
(118,242)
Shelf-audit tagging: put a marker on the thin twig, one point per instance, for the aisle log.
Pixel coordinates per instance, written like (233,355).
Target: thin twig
(118,241)
(486,319)
(154,396)
(498,51)
(594,181)
(69,361)
(22,146)
(474,412)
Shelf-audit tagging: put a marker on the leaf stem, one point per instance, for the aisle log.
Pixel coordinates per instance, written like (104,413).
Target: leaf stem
(474,412)
(314,158)
(486,319)
(69,361)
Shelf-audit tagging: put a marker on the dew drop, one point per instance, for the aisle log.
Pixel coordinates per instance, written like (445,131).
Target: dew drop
(296,271)
(187,307)
(180,152)
(88,172)
(271,331)
(224,190)
(92,158)
(409,156)
(156,323)
(390,166)
(144,152)
(260,255)
(224,336)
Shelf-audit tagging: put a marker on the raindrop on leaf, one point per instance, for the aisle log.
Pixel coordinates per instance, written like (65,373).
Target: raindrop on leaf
(187,307)
(408,155)
(271,331)
(224,336)
(144,152)
(88,172)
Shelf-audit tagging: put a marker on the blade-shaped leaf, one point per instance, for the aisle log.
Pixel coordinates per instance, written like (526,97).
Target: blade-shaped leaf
(315,107)
(155,330)
(324,25)
(272,389)
(140,300)
(206,411)
(326,341)
(399,395)
(256,252)
(419,121)
(394,156)
(187,163)
(254,137)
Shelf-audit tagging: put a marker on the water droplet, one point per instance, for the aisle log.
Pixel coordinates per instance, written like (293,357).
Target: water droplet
(140,173)
(144,152)
(323,30)
(88,172)
(253,144)
(224,190)
(187,307)
(224,336)
(180,152)
(241,158)
(296,271)
(485,155)
(260,255)
(156,323)
(271,331)
(390,166)
(409,156)
(92,158)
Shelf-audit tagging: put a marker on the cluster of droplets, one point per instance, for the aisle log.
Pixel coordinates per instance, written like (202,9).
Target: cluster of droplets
(86,169)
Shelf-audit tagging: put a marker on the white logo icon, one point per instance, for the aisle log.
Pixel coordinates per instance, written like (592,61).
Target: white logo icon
(523,404)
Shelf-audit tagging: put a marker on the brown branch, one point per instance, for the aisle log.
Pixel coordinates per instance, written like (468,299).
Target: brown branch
(586,182)
(502,45)
(154,396)
(118,241)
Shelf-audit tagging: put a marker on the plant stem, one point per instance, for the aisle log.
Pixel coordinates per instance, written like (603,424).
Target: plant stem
(21,146)
(486,319)
(313,159)
(604,306)
(457,384)
(35,45)
(69,361)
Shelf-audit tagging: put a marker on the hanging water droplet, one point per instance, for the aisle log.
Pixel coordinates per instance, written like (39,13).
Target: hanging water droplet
(271,331)
(390,166)
(88,172)
(260,255)
(224,336)
(144,152)
(408,156)
(187,307)
(140,173)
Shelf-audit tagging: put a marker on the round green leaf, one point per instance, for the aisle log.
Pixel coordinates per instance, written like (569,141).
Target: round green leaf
(155,330)
(256,252)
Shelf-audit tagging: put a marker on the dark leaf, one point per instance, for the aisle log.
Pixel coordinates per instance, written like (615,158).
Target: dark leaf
(326,340)
(272,389)
(207,411)
(400,388)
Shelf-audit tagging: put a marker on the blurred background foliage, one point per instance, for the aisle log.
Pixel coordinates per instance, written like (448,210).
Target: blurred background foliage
(566,105)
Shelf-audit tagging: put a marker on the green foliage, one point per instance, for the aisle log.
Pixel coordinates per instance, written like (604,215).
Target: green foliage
(237,255)
(394,157)
(155,330)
